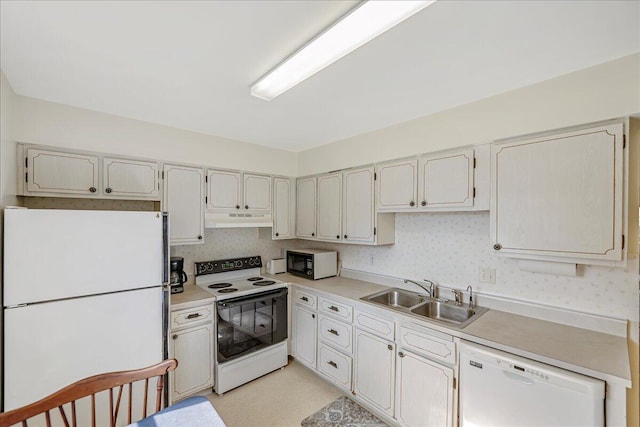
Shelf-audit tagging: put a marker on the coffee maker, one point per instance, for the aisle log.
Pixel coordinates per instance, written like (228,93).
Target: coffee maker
(178,276)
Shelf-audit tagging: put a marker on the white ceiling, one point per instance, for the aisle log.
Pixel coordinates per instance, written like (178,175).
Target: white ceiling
(190,64)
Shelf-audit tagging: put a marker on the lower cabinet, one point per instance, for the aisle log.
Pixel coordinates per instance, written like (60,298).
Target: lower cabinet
(305,336)
(374,372)
(424,392)
(191,343)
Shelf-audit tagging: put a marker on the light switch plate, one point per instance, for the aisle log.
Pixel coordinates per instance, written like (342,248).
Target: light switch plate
(487,275)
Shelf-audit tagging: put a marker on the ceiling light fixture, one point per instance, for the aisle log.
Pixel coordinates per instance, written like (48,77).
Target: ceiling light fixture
(362,24)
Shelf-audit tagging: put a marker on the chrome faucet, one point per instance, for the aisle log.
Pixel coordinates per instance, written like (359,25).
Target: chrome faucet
(432,286)
(458,296)
(470,289)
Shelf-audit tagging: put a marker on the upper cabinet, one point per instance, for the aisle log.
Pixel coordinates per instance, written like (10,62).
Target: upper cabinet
(455,180)
(561,196)
(131,178)
(306,207)
(232,191)
(397,185)
(344,207)
(329,207)
(69,173)
(446,180)
(284,198)
(184,200)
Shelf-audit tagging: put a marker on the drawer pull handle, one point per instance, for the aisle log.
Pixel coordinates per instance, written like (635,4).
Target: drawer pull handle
(334,308)
(333,331)
(401,354)
(305,299)
(193,316)
(332,363)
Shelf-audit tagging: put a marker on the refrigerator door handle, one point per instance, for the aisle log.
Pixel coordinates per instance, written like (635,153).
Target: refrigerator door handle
(165,248)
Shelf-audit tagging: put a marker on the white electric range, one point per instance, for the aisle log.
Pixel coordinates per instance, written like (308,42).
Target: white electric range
(251,320)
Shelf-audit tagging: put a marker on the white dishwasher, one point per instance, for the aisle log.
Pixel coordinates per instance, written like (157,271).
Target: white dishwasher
(501,389)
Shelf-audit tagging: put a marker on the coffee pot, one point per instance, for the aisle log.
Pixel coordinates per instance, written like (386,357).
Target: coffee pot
(178,277)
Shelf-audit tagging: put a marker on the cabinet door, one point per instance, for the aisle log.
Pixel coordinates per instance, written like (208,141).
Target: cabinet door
(59,172)
(560,196)
(257,192)
(131,178)
(283,202)
(184,200)
(305,335)
(397,185)
(374,370)
(358,218)
(306,207)
(193,348)
(424,392)
(446,180)
(330,207)
(224,191)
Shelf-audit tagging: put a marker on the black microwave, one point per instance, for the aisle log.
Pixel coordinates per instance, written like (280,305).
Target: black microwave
(312,263)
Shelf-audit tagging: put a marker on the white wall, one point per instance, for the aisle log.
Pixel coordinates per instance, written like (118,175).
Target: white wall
(48,123)
(7,143)
(602,92)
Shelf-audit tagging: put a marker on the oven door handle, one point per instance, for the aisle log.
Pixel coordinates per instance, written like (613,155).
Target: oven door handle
(229,303)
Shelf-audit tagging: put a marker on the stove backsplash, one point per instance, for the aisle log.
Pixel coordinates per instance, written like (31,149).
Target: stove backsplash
(221,243)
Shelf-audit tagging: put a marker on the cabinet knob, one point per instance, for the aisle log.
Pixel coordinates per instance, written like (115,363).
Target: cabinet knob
(313,234)
(246,206)
(93,189)
(423,203)
(237,206)
(108,190)
(345,236)
(412,203)
(277,234)
(175,337)
(401,354)
(338,236)
(199,237)
(390,347)
(313,316)
(497,246)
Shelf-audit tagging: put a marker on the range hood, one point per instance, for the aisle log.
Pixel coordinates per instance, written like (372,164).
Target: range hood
(237,220)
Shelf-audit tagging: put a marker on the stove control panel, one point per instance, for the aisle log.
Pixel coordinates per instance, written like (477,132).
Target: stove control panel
(222,265)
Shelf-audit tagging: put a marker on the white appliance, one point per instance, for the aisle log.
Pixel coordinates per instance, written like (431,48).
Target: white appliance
(312,264)
(250,323)
(276,266)
(501,389)
(237,220)
(84,294)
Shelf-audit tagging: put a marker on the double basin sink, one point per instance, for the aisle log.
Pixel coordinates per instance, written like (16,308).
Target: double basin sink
(426,307)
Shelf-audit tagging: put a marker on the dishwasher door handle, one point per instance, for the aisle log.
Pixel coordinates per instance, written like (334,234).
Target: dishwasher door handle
(518,377)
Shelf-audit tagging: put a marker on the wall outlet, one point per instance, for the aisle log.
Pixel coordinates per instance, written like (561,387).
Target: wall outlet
(487,275)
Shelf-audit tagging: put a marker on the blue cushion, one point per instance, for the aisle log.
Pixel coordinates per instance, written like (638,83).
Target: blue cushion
(194,411)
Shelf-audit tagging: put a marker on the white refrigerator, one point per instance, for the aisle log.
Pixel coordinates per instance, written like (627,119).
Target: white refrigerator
(84,293)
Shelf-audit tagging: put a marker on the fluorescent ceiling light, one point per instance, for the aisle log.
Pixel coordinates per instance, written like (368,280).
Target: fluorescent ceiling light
(361,25)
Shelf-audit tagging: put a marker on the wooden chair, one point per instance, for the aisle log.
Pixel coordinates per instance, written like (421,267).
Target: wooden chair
(89,387)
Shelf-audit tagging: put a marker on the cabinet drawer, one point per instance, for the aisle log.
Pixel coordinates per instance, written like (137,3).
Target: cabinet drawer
(306,299)
(336,333)
(375,324)
(432,344)
(335,365)
(340,310)
(191,316)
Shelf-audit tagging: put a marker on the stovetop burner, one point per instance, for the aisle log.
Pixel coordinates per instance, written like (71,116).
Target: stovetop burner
(219,285)
(254,279)
(227,290)
(264,283)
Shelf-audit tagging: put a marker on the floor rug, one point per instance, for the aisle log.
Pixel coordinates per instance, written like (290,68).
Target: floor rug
(343,412)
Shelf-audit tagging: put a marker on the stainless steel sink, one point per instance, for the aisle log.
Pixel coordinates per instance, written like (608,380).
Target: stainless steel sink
(436,309)
(396,298)
(445,311)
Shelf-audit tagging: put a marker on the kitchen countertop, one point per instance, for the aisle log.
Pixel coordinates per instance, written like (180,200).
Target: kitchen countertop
(191,296)
(591,353)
